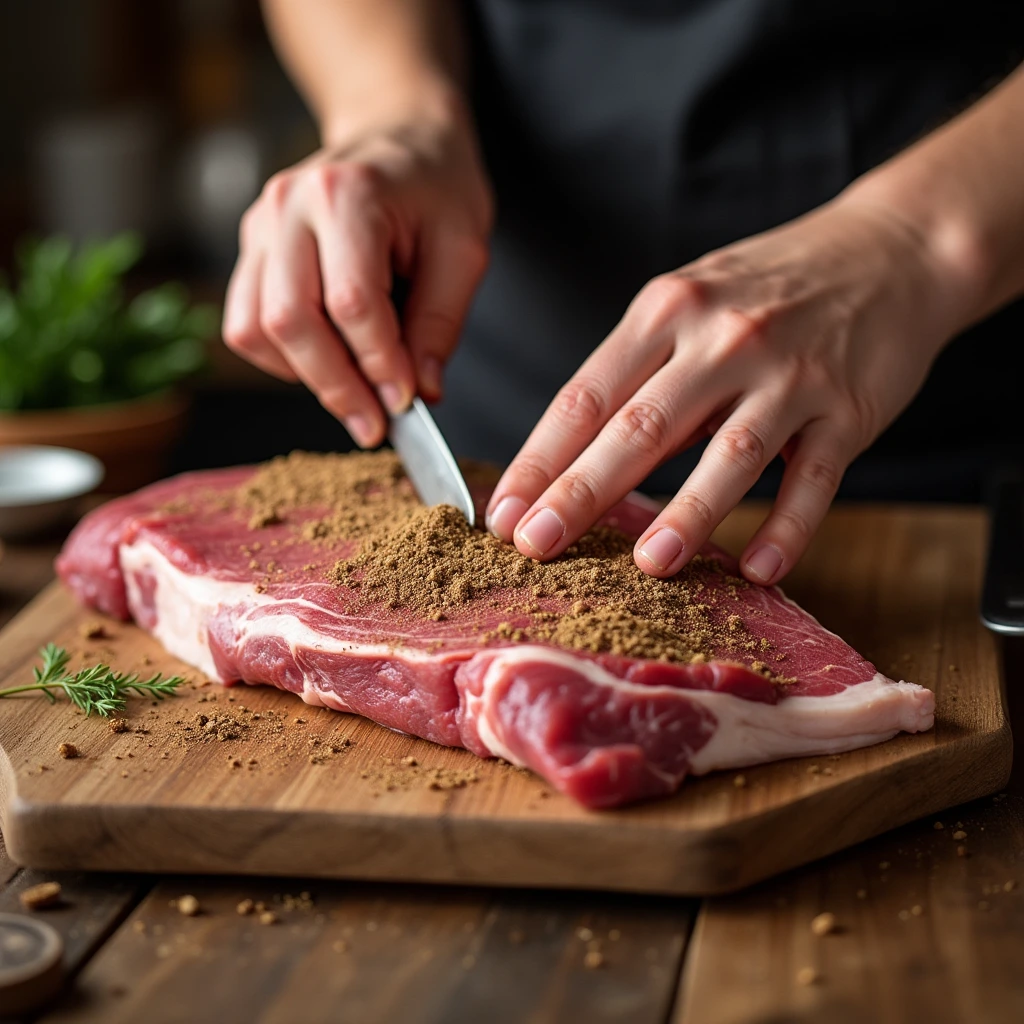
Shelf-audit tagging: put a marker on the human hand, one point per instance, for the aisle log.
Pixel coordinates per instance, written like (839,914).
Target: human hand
(807,341)
(310,296)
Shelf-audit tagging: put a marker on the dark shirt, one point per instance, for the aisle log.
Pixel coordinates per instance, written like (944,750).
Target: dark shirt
(626,138)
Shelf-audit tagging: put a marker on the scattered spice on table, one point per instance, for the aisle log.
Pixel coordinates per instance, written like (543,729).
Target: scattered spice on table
(188,905)
(37,897)
(823,924)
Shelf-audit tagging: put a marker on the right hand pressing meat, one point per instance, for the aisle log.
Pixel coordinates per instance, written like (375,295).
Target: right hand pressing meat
(310,296)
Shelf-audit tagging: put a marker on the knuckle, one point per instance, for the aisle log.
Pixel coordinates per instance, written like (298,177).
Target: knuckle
(644,427)
(376,365)
(740,445)
(741,330)
(532,471)
(580,405)
(580,493)
(346,300)
(353,178)
(241,337)
(795,523)
(663,297)
(866,416)
(820,473)
(277,189)
(694,507)
(282,321)
(433,330)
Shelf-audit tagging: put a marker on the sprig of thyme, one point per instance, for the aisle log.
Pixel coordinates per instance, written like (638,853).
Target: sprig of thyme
(98,689)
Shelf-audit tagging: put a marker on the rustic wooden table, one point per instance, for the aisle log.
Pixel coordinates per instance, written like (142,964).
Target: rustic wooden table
(924,934)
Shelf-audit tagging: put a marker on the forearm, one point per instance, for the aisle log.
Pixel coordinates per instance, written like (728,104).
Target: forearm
(371,62)
(960,190)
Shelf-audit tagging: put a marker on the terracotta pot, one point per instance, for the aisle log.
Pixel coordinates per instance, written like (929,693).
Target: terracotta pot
(132,439)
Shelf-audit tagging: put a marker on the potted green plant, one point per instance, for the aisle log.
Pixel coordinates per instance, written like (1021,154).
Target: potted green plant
(84,367)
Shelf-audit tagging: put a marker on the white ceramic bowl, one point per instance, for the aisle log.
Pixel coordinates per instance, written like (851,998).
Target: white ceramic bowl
(39,485)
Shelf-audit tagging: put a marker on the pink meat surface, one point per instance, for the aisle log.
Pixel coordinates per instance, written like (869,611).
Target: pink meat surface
(241,604)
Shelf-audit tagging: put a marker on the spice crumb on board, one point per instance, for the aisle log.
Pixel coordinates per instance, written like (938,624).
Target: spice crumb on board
(401,775)
(739,781)
(938,826)
(187,905)
(823,924)
(807,976)
(268,917)
(959,834)
(68,751)
(117,725)
(245,907)
(37,897)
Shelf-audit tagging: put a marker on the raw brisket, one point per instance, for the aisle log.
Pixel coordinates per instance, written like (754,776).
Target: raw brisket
(239,601)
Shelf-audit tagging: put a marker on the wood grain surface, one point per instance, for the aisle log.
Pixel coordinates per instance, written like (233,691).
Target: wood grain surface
(901,585)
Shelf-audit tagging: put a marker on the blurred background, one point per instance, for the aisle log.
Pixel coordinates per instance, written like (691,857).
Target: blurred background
(161,118)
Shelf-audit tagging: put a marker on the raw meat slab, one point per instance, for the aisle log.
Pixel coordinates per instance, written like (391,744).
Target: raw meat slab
(246,602)
(250,602)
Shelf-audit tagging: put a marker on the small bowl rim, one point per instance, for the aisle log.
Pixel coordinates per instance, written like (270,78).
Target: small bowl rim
(95,472)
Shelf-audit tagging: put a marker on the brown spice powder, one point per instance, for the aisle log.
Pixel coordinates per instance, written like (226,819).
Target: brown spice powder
(430,562)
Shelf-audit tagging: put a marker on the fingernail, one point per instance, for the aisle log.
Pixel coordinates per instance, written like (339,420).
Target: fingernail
(393,397)
(765,562)
(362,429)
(430,374)
(542,530)
(662,548)
(502,521)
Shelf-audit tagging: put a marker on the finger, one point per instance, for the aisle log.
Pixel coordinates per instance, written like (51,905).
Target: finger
(647,429)
(354,242)
(812,477)
(640,345)
(241,324)
(730,465)
(291,316)
(447,274)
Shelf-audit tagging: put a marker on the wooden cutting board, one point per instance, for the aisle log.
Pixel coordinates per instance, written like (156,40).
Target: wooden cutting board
(304,791)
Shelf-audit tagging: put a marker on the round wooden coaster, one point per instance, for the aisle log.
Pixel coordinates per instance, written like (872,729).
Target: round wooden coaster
(30,963)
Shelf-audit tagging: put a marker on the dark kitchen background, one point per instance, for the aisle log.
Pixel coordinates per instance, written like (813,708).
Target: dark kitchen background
(166,116)
(163,117)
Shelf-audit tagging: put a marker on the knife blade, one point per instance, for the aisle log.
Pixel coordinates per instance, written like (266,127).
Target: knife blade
(428,460)
(1002,599)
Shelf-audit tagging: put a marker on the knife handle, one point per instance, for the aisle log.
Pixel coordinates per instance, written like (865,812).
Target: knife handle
(1002,598)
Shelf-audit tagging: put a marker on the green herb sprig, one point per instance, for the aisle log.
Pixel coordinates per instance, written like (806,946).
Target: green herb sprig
(71,337)
(96,690)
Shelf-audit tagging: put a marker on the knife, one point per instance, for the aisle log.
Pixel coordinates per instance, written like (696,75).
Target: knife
(428,460)
(1002,599)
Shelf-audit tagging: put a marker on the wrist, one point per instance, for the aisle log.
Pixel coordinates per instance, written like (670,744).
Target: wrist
(427,102)
(936,221)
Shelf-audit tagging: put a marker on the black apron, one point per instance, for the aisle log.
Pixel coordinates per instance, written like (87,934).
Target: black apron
(626,138)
